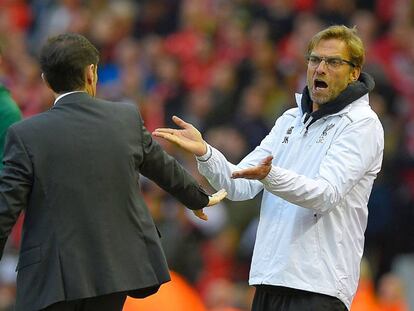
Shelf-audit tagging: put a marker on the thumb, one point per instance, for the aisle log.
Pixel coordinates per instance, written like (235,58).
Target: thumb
(217,197)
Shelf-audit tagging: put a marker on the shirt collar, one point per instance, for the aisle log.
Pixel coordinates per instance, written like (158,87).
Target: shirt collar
(64,94)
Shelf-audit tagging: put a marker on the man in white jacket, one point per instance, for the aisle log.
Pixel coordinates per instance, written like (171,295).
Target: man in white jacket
(316,168)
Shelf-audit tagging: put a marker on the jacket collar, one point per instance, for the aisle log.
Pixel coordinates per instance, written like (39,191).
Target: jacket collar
(353,92)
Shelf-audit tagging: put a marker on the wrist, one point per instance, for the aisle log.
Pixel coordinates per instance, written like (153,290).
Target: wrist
(207,154)
(204,150)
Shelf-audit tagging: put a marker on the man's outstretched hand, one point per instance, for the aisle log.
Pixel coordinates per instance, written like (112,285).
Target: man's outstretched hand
(255,172)
(188,137)
(213,200)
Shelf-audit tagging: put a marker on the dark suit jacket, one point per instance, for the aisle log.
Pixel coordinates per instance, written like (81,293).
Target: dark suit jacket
(87,232)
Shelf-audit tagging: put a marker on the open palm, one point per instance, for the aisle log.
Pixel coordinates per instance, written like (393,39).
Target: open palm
(188,137)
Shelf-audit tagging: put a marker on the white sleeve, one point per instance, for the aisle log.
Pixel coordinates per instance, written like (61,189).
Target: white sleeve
(356,152)
(218,170)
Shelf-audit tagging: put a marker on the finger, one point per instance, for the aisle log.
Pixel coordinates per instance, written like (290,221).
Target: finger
(220,195)
(162,134)
(200,214)
(267,161)
(180,122)
(237,175)
(241,173)
(165,130)
(167,136)
(217,197)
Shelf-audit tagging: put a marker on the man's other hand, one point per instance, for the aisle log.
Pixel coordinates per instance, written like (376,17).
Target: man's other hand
(255,172)
(213,200)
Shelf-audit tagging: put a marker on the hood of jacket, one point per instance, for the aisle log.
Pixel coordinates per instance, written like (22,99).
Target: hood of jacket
(355,90)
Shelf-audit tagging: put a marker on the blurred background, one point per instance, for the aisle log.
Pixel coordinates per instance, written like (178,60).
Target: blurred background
(230,67)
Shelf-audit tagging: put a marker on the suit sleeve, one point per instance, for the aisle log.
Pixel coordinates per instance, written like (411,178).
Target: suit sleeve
(15,184)
(167,173)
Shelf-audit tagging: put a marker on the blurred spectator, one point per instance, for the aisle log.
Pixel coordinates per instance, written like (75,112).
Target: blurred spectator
(158,17)
(222,295)
(403,267)
(8,282)
(177,295)
(249,120)
(9,112)
(391,293)
(365,298)
(333,12)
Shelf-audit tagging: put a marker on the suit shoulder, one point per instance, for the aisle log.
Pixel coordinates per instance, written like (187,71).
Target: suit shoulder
(30,121)
(116,104)
(119,107)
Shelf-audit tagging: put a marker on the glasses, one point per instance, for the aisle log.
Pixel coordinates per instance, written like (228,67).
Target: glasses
(331,62)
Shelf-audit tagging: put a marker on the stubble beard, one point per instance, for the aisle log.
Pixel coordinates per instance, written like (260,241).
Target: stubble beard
(320,100)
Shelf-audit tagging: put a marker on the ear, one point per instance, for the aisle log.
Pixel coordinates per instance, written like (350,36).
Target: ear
(355,73)
(90,74)
(45,80)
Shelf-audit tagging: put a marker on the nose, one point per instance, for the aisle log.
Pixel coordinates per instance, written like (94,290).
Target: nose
(321,66)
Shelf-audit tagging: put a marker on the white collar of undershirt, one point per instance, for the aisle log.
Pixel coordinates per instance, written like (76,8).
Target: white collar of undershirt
(64,94)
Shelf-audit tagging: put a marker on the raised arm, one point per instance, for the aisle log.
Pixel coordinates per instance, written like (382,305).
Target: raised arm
(212,163)
(173,178)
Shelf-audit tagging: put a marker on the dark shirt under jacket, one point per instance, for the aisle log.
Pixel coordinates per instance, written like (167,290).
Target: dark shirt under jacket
(87,232)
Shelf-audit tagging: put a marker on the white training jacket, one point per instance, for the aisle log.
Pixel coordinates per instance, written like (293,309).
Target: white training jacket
(314,208)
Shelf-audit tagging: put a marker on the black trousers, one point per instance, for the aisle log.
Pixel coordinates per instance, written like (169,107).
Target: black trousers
(276,298)
(111,302)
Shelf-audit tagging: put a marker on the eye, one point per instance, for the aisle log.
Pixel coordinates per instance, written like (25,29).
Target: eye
(334,62)
(314,60)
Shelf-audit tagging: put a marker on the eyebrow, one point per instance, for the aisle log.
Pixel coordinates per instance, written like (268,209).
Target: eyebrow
(330,56)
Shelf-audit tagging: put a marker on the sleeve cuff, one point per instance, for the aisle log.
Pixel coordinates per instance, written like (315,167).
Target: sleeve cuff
(205,157)
(271,178)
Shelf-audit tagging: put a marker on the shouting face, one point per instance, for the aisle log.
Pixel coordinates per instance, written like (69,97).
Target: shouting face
(329,70)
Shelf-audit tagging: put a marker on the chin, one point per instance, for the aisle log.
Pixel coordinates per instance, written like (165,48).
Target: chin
(320,100)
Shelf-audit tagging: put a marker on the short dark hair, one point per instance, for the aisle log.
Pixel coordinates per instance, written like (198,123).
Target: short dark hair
(63,60)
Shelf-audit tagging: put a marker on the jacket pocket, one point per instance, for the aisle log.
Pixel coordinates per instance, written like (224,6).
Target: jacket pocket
(29,257)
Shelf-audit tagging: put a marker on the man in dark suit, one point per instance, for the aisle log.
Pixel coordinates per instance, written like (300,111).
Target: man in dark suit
(88,238)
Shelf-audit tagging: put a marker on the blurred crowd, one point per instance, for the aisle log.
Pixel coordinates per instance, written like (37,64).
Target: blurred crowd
(231,67)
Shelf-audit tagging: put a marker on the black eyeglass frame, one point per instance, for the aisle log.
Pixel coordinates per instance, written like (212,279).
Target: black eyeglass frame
(329,61)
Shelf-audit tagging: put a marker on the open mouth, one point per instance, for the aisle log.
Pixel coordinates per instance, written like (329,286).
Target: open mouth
(319,84)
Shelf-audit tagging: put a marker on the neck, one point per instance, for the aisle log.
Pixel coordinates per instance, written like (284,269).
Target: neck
(90,90)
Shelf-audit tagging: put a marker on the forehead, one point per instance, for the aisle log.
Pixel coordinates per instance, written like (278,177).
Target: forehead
(331,47)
